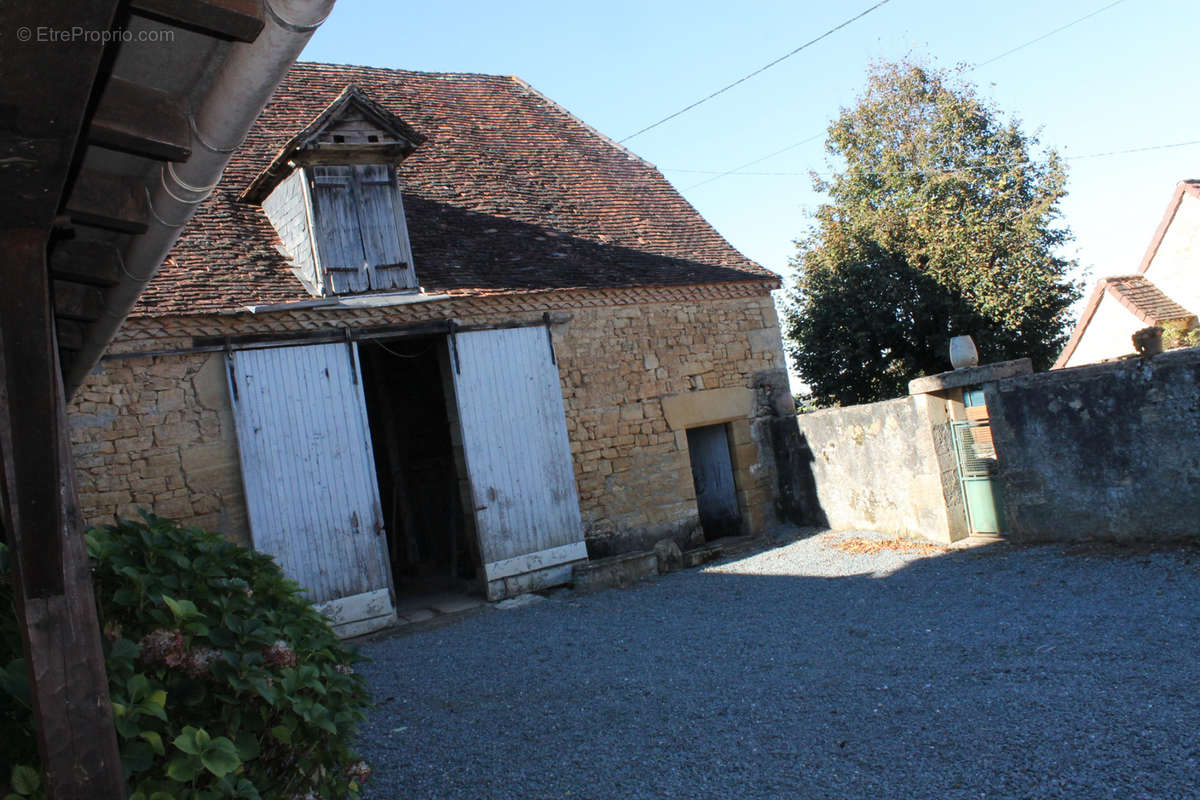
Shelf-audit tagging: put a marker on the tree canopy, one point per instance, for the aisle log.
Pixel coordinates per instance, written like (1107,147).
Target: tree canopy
(942,220)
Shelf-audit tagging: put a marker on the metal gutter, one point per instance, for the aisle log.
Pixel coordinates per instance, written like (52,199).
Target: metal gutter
(238,93)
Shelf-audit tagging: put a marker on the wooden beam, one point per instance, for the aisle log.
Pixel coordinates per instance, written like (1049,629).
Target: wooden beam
(70,334)
(76,301)
(44,99)
(40,518)
(140,120)
(240,20)
(353,153)
(86,261)
(114,202)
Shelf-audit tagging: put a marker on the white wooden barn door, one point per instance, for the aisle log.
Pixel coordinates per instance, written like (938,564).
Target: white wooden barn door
(518,458)
(309,477)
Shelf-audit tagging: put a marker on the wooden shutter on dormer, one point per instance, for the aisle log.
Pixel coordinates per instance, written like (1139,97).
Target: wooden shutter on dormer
(384,234)
(339,242)
(360,232)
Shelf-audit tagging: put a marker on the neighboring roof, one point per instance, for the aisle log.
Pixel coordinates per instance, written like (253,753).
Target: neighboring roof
(1145,300)
(1192,187)
(1141,297)
(1149,309)
(508,192)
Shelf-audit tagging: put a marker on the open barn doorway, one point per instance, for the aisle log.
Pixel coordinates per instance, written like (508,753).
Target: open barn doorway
(431,543)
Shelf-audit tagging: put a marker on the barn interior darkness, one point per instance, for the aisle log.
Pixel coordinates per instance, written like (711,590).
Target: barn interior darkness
(430,547)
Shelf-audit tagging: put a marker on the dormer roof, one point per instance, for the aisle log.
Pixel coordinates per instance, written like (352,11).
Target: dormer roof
(377,137)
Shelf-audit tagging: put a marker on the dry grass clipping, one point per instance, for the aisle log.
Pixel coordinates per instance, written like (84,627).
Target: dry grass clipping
(861,546)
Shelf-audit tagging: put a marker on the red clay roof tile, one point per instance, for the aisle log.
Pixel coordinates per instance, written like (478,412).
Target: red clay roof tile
(509,192)
(1145,300)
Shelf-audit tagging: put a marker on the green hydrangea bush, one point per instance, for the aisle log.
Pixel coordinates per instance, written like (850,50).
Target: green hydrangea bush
(225,682)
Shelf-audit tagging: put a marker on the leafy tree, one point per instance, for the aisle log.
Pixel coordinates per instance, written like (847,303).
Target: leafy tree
(941,222)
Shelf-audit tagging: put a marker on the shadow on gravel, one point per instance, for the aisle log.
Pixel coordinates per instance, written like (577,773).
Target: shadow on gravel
(804,672)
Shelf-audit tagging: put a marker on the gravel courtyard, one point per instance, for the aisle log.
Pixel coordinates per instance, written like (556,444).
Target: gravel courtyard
(808,671)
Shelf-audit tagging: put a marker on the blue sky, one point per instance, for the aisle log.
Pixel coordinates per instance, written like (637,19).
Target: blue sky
(1125,78)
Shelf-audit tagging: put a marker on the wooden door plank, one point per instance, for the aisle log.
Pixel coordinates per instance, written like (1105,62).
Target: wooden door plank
(309,472)
(518,455)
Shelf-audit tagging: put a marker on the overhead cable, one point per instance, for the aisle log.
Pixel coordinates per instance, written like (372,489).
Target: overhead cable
(758,71)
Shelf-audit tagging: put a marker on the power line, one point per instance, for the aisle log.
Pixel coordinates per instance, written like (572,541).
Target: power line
(1045,36)
(718,175)
(1105,154)
(758,71)
(738,169)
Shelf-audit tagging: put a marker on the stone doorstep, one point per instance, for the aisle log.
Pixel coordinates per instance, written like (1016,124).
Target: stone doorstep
(620,570)
(624,569)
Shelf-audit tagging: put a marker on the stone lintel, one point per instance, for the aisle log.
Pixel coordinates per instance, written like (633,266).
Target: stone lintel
(970,376)
(707,407)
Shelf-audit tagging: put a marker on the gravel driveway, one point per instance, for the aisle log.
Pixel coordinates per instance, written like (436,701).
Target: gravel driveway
(805,671)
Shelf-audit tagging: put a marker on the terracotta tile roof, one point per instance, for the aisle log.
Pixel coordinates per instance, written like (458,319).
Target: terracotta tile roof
(1145,300)
(509,192)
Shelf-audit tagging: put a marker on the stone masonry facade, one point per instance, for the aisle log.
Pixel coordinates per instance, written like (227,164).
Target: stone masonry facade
(637,369)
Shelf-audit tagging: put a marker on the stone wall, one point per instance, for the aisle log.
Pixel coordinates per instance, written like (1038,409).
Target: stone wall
(634,379)
(1109,451)
(157,432)
(879,466)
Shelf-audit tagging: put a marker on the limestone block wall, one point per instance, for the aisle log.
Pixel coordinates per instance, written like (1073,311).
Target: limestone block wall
(158,432)
(879,466)
(1108,451)
(621,371)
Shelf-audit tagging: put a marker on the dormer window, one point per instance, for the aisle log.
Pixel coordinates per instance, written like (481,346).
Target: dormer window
(332,196)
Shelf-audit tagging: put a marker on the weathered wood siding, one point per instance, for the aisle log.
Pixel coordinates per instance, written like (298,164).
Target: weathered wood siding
(286,208)
(339,243)
(309,472)
(384,233)
(361,234)
(518,456)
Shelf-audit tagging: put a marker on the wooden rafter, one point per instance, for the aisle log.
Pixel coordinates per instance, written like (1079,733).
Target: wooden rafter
(142,121)
(240,20)
(114,202)
(88,262)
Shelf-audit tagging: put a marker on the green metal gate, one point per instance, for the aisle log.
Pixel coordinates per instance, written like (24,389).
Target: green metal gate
(975,458)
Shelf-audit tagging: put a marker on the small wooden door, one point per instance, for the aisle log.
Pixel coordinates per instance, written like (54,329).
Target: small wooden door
(712,474)
(309,477)
(518,456)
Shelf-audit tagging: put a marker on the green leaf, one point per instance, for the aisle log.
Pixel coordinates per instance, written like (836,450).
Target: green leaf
(247,746)
(186,741)
(155,741)
(139,688)
(25,780)
(181,609)
(220,757)
(183,769)
(282,733)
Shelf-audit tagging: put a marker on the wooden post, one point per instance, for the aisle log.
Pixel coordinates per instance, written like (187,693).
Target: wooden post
(52,582)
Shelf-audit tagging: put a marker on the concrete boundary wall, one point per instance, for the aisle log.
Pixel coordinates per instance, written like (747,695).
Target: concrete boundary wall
(1107,451)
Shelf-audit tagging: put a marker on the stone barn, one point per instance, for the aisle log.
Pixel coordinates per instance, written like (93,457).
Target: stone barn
(432,330)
